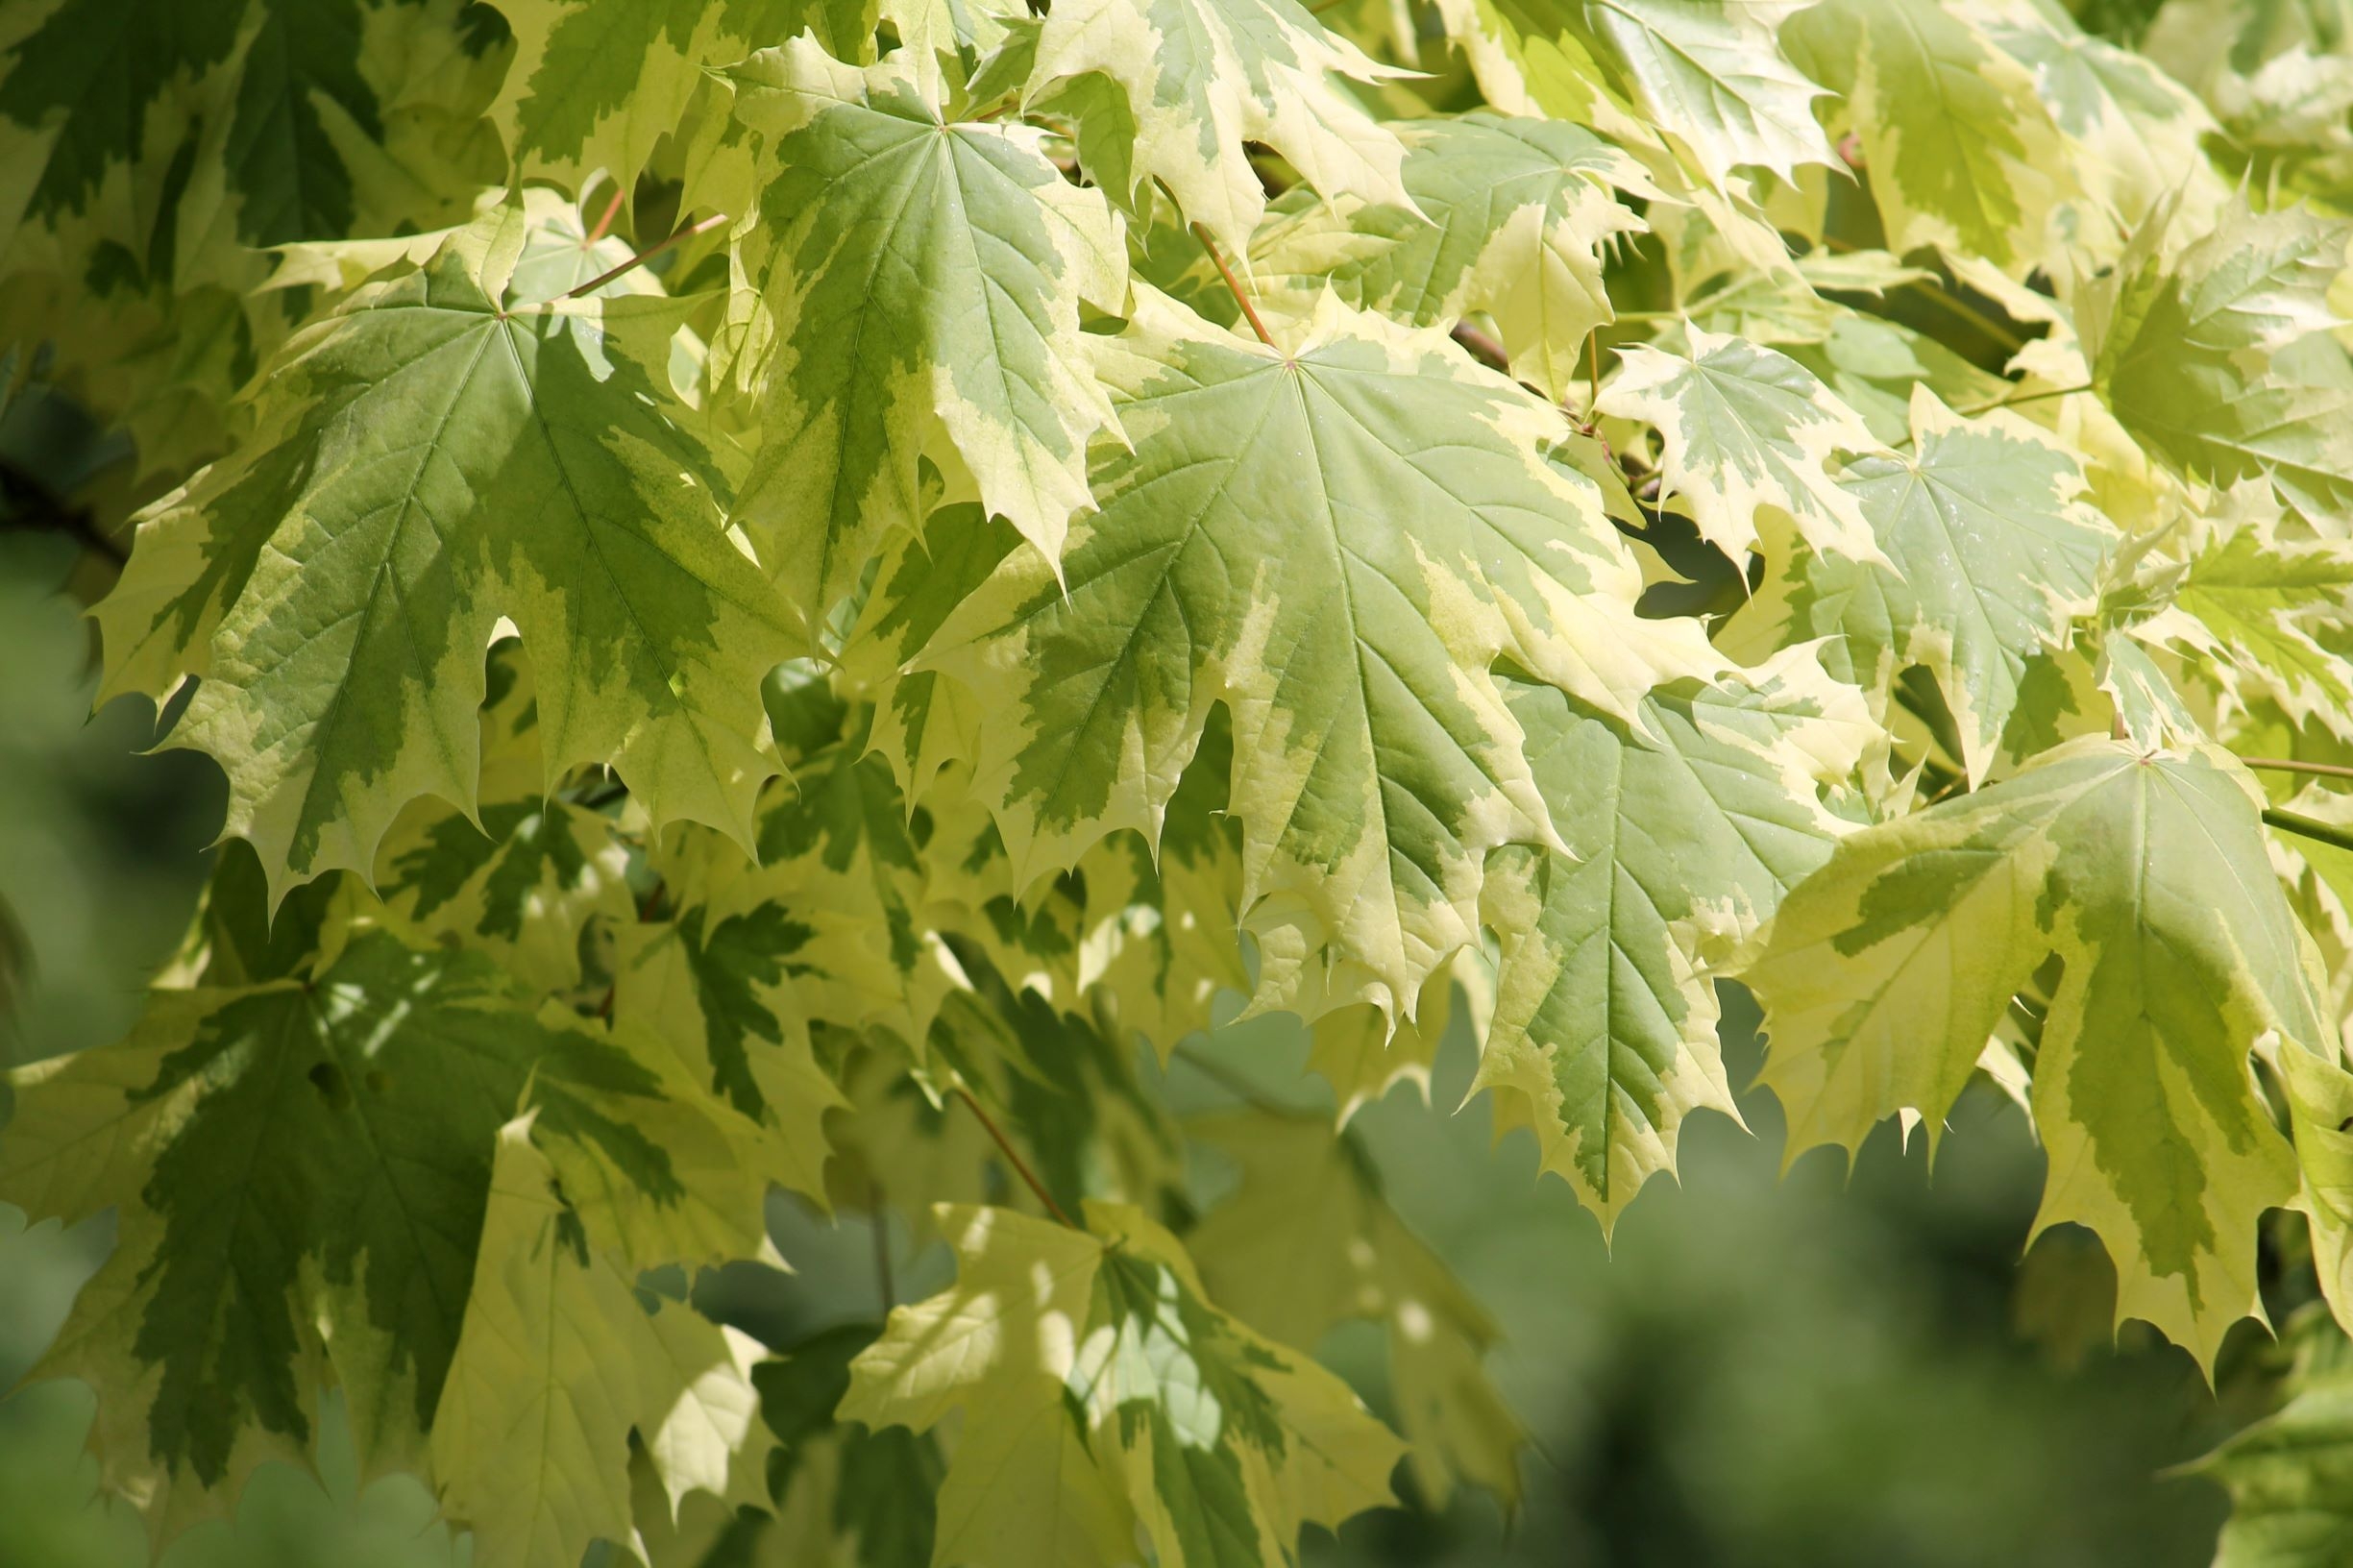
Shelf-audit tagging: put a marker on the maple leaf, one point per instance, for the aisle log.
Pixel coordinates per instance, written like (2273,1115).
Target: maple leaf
(2263,619)
(2218,356)
(1885,971)
(1310,1241)
(1680,841)
(172,138)
(925,280)
(1991,554)
(1746,427)
(430,458)
(1101,1376)
(1711,77)
(1192,80)
(301,1170)
(1335,542)
(1961,150)
(526,880)
(558,1364)
(593,89)
(1512,216)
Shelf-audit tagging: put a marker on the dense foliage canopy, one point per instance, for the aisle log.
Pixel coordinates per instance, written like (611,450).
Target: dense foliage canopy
(783,585)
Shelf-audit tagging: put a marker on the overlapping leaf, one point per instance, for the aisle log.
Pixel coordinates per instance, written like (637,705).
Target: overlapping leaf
(1886,972)
(164,139)
(1512,217)
(302,1168)
(1310,1241)
(527,881)
(2216,357)
(925,281)
(559,1364)
(1100,1387)
(1680,841)
(593,89)
(1961,150)
(430,458)
(1336,543)
(1192,81)
(1991,552)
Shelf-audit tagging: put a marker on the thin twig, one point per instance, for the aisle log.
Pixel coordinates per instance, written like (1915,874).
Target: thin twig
(2307,827)
(611,208)
(2288,765)
(645,255)
(1484,348)
(1233,283)
(1020,1167)
(2031,397)
(882,1247)
(1593,378)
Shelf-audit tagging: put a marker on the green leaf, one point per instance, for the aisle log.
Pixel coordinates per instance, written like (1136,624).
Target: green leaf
(426,462)
(1200,78)
(718,992)
(924,280)
(1071,1094)
(1513,214)
(1160,941)
(1105,1378)
(844,1494)
(1886,970)
(559,1362)
(301,1170)
(1309,1242)
(1364,1053)
(595,88)
(2133,131)
(1744,428)
(1680,841)
(2216,359)
(830,924)
(2291,1481)
(1990,556)
(1961,151)
(2262,618)
(1336,543)
(1709,76)
(168,139)
(529,881)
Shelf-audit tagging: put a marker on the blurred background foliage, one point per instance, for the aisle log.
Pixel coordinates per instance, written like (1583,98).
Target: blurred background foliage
(1808,1370)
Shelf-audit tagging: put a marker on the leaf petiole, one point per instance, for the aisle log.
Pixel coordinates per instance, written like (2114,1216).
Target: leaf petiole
(2289,765)
(1013,1158)
(701,227)
(1233,283)
(2319,832)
